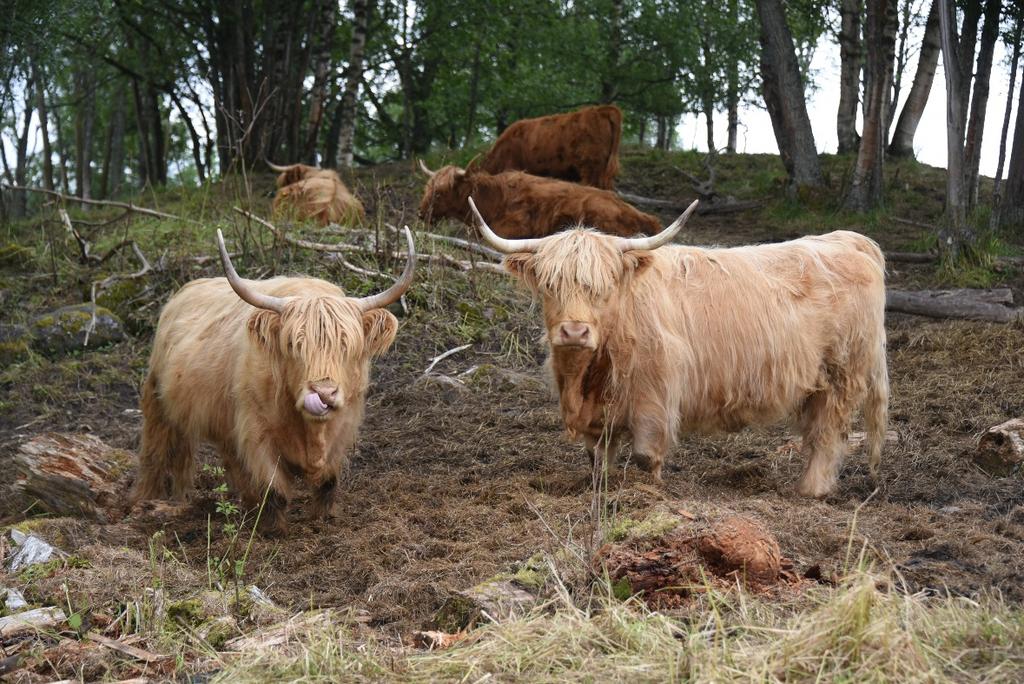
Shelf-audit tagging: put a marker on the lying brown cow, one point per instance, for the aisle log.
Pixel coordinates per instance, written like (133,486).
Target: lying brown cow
(520,205)
(306,192)
(651,341)
(581,146)
(273,373)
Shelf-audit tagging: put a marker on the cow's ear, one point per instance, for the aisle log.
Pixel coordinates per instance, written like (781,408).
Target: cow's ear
(265,328)
(636,262)
(379,329)
(520,265)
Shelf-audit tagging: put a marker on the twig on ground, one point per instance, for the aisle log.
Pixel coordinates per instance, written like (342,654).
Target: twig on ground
(441,357)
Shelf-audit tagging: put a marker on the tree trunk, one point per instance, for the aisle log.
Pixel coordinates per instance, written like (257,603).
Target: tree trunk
(642,132)
(20,197)
(902,144)
(85,118)
(709,116)
(955,238)
(997,196)
(613,54)
(159,158)
(142,128)
(62,151)
(1011,212)
(732,86)
(784,97)
(44,129)
(661,139)
(326,27)
(849,75)
(197,144)
(353,76)
(979,102)
(902,54)
(474,97)
(865,191)
(115,173)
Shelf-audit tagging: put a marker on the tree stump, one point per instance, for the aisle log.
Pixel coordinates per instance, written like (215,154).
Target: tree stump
(73,475)
(1001,448)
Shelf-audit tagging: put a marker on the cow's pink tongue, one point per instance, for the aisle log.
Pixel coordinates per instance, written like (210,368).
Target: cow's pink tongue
(314,404)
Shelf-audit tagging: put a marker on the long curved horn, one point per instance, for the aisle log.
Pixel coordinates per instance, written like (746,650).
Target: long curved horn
(382,299)
(425,170)
(655,241)
(242,288)
(501,244)
(275,167)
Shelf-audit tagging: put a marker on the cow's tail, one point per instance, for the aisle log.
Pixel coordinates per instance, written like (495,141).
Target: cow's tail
(876,407)
(611,169)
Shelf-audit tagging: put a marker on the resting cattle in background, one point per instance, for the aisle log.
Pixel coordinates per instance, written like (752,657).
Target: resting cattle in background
(306,192)
(520,205)
(652,342)
(581,146)
(273,373)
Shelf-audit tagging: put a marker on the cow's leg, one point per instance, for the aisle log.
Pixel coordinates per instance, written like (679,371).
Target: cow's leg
(603,449)
(265,482)
(823,422)
(652,437)
(167,455)
(323,499)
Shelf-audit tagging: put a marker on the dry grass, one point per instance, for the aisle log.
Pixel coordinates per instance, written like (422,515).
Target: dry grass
(860,632)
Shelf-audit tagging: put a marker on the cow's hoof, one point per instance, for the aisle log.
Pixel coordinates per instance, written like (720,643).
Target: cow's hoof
(812,490)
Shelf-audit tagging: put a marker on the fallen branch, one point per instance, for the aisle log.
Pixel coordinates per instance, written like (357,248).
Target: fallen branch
(298,242)
(106,203)
(911,257)
(975,305)
(702,210)
(467,245)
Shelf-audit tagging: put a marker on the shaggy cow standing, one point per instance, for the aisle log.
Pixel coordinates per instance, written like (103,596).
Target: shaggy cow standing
(306,192)
(521,205)
(651,341)
(581,146)
(273,373)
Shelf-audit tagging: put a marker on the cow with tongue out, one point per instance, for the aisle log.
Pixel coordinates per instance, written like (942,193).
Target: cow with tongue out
(273,373)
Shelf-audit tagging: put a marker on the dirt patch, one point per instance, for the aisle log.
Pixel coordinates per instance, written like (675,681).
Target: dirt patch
(670,569)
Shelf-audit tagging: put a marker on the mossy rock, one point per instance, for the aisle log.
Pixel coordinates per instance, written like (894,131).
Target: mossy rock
(15,255)
(15,342)
(64,329)
(118,296)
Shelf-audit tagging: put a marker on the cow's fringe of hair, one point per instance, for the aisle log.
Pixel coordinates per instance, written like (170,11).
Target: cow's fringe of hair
(325,331)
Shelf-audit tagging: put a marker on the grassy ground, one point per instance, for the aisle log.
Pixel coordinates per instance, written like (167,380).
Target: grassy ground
(450,486)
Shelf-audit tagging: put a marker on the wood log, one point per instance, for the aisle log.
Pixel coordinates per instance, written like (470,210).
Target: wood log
(1000,449)
(31,621)
(976,305)
(702,209)
(73,474)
